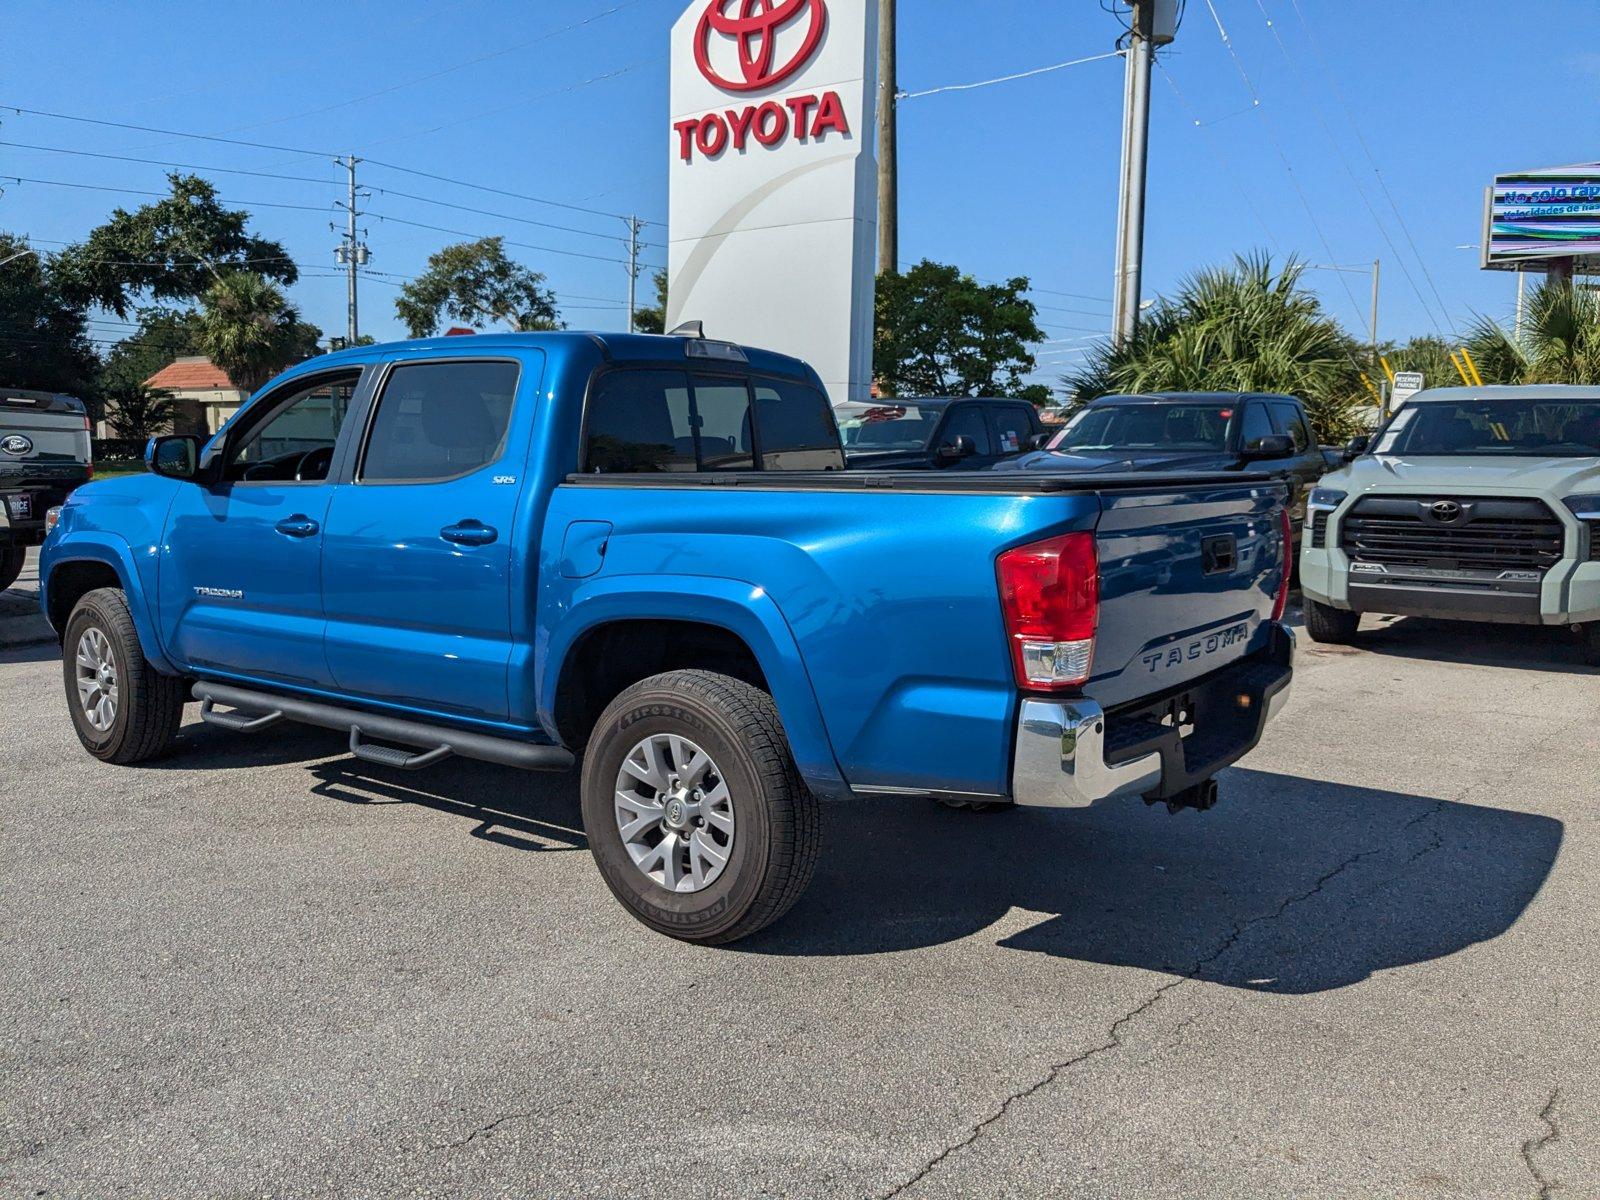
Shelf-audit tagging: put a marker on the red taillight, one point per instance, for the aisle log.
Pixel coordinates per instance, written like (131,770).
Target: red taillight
(1288,565)
(1050,595)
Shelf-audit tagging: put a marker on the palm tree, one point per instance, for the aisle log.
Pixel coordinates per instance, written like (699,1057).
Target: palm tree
(1560,340)
(251,331)
(1241,328)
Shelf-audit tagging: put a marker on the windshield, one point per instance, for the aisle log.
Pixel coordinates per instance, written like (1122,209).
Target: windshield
(868,427)
(1147,427)
(1508,426)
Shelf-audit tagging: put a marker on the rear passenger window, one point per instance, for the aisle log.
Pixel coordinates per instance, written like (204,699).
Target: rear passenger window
(797,429)
(640,421)
(439,420)
(722,412)
(1012,428)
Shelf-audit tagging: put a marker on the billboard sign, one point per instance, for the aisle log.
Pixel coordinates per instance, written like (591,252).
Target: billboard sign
(1532,216)
(772,226)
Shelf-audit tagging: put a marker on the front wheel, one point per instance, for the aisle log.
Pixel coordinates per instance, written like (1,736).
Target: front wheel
(695,813)
(1589,643)
(11,560)
(124,710)
(1332,625)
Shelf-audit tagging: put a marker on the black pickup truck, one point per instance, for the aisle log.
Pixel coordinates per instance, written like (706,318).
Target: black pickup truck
(1191,431)
(44,454)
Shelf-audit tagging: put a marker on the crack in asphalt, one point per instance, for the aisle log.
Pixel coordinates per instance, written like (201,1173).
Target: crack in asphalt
(1113,1038)
(1551,1135)
(481,1131)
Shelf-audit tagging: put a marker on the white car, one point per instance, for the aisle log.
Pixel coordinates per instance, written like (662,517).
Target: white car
(1479,504)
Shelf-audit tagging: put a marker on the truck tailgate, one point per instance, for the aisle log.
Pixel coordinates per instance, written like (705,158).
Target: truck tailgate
(1188,581)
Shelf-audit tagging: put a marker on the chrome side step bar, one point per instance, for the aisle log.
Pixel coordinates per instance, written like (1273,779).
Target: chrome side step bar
(259,710)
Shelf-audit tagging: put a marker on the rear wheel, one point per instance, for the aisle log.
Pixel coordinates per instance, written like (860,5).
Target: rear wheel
(11,560)
(124,710)
(1334,625)
(695,813)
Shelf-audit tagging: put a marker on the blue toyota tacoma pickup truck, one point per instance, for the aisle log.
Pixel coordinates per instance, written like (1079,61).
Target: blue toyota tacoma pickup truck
(643,550)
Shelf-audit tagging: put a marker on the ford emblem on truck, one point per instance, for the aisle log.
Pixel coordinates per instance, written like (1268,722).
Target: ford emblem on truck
(17,444)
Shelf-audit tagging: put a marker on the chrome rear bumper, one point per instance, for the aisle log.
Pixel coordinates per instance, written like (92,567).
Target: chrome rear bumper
(1060,759)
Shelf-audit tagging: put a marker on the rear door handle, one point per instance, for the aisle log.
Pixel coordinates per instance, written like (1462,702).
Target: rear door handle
(469,533)
(297,526)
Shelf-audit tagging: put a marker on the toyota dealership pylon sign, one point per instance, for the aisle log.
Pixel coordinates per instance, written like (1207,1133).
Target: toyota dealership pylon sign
(773,222)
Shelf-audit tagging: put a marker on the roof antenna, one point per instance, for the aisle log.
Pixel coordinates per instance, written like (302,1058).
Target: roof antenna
(694,329)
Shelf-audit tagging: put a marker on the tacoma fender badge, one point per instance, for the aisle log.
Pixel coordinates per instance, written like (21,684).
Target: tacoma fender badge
(212,593)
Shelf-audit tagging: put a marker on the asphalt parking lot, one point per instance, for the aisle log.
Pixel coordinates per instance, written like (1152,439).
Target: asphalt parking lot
(259,967)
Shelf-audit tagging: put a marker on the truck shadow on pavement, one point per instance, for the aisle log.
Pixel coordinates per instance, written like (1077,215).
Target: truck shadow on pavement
(1528,647)
(1290,885)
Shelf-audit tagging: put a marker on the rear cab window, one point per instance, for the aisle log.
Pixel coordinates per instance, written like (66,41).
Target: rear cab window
(654,420)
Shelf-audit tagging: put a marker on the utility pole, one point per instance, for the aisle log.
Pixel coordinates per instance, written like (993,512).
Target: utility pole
(635,225)
(351,253)
(1152,23)
(1377,266)
(888,151)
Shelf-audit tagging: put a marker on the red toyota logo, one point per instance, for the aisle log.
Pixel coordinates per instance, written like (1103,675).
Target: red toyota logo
(755,31)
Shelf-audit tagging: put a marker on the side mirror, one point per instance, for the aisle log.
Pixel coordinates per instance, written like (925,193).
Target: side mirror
(1038,441)
(176,456)
(1356,446)
(959,447)
(1273,445)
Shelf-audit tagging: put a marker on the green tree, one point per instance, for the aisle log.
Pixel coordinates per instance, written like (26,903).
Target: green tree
(475,282)
(163,334)
(1430,355)
(942,333)
(1560,340)
(138,411)
(170,250)
(653,319)
(1241,328)
(43,339)
(251,331)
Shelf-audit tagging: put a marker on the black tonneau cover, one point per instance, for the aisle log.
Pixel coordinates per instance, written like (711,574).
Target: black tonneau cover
(1001,482)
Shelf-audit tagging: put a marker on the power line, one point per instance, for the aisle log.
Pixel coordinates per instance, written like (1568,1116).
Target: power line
(1344,160)
(1367,150)
(301,150)
(1288,168)
(1222,159)
(509,242)
(983,83)
(97,187)
(324,182)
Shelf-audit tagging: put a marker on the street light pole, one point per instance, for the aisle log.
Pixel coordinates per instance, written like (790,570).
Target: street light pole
(1152,23)
(1377,266)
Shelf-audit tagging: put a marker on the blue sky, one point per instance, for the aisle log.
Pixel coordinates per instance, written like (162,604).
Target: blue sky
(566,100)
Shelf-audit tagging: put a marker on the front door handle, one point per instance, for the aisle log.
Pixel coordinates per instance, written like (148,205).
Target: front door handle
(469,533)
(297,526)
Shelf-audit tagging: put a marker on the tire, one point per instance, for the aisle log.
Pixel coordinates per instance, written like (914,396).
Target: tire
(11,560)
(1331,625)
(1589,644)
(772,822)
(146,706)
